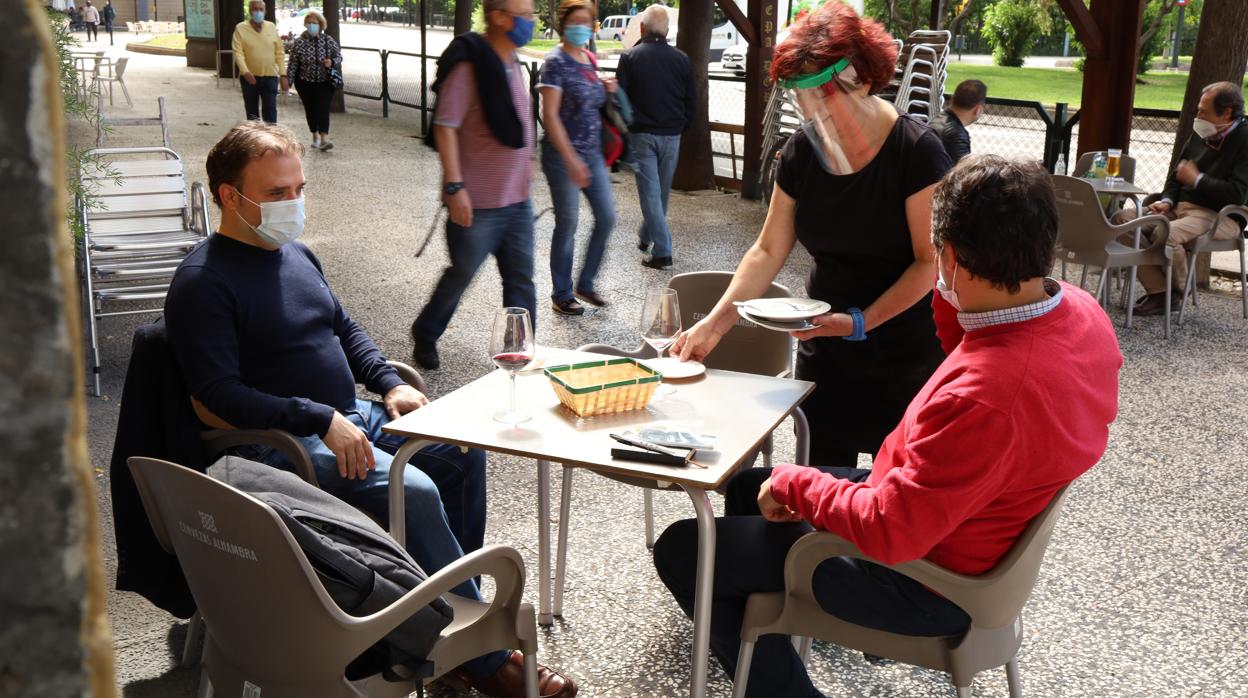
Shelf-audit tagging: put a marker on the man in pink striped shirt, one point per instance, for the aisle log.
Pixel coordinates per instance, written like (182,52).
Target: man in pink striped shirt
(483,131)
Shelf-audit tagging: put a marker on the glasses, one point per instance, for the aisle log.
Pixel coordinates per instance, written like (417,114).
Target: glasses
(527,15)
(660,324)
(511,348)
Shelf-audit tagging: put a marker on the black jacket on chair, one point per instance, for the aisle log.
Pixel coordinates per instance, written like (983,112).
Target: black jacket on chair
(156,421)
(1224,169)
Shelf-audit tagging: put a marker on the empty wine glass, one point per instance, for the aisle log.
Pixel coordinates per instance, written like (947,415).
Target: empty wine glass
(660,326)
(511,348)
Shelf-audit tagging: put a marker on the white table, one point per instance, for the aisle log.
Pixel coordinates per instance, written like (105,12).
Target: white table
(741,409)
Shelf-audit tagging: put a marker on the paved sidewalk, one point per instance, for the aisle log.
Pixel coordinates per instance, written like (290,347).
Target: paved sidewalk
(1143,592)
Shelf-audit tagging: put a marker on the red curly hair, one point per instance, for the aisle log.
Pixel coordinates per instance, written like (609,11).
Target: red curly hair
(835,31)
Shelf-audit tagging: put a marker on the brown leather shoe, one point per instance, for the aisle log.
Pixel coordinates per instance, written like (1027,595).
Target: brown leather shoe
(508,681)
(1152,304)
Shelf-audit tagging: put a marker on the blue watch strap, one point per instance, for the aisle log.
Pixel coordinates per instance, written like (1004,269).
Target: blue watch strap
(860,325)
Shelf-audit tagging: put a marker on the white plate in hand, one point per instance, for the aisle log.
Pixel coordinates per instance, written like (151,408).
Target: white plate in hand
(785,309)
(674,368)
(797,326)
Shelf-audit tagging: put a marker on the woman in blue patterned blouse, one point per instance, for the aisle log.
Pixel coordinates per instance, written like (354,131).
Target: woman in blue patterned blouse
(313,57)
(572,159)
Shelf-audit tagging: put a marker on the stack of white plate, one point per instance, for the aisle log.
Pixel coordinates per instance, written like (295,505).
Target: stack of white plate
(782,314)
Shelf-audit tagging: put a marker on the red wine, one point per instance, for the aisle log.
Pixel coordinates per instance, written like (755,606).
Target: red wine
(512,361)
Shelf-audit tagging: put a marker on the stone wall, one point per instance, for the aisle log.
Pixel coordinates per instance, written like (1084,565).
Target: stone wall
(54,638)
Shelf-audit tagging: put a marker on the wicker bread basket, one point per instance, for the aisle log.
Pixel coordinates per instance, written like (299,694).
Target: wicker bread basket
(603,387)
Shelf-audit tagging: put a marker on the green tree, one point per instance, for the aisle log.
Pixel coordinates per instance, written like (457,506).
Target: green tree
(1012,27)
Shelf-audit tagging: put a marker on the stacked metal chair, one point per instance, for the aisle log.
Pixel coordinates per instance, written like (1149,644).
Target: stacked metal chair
(139,220)
(921,90)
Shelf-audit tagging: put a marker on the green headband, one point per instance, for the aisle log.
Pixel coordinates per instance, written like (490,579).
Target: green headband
(809,80)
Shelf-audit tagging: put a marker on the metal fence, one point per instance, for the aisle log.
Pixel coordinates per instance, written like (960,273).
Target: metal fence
(1022,129)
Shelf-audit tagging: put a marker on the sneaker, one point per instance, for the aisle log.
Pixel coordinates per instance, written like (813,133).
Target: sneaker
(316,142)
(568,307)
(326,144)
(657,262)
(592,298)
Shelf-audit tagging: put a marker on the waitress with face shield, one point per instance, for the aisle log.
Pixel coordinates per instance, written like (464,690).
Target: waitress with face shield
(854,187)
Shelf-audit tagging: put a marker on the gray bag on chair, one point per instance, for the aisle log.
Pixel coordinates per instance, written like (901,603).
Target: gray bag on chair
(361,566)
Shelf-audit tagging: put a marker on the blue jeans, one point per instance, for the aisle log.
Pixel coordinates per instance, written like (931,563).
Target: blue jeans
(567,203)
(444,503)
(265,90)
(749,557)
(506,233)
(655,157)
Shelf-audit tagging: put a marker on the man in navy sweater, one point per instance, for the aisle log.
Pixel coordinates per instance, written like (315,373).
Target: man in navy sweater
(263,343)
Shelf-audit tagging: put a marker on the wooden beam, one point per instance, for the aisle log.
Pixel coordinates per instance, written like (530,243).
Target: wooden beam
(739,20)
(1086,28)
(938,9)
(1109,78)
(763,19)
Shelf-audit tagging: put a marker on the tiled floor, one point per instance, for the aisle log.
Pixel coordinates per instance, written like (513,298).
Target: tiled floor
(1143,592)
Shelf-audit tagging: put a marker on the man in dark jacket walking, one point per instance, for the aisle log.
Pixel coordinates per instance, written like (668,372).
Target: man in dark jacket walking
(483,130)
(109,14)
(1212,173)
(964,109)
(659,82)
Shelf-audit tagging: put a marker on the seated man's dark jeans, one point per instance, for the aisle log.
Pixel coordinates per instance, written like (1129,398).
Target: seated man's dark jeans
(749,557)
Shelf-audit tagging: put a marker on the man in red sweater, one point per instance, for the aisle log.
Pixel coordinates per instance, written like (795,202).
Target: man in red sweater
(1020,407)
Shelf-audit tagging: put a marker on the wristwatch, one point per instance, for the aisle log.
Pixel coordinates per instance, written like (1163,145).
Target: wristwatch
(452,188)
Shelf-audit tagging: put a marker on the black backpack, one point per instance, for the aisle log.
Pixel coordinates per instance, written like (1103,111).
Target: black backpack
(363,569)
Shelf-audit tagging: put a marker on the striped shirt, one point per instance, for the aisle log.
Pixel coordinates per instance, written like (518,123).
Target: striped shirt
(494,174)
(978,321)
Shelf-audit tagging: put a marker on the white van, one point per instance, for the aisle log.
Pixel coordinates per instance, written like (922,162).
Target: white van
(612,28)
(722,36)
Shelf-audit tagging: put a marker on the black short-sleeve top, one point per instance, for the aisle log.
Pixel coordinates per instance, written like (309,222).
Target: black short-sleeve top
(855,225)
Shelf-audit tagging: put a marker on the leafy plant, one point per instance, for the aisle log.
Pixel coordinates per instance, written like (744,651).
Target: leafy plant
(76,103)
(1012,27)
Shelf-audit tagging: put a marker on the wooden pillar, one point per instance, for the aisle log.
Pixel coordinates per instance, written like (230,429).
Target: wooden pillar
(333,21)
(229,14)
(937,10)
(463,16)
(762,18)
(1109,71)
(695,169)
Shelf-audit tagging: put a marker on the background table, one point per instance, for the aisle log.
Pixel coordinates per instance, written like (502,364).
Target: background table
(740,409)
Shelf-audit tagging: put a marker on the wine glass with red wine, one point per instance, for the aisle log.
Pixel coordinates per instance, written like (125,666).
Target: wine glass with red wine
(511,347)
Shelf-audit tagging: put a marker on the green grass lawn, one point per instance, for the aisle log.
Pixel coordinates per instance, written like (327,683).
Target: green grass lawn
(548,44)
(1051,85)
(169,41)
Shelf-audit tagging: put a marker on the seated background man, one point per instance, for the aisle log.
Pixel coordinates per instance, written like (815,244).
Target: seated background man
(1019,408)
(964,109)
(1212,173)
(264,343)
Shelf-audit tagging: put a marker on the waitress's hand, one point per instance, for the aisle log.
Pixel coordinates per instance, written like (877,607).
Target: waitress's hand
(696,342)
(830,325)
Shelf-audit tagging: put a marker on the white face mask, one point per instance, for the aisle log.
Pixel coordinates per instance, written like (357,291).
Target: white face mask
(280,221)
(1204,128)
(947,290)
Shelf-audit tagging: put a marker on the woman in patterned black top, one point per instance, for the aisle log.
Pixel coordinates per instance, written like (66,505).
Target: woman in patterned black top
(313,57)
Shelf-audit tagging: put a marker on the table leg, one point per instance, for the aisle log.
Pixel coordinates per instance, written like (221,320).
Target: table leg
(544,616)
(561,550)
(398,531)
(702,595)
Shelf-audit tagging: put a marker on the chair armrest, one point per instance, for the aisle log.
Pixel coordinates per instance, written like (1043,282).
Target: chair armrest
(1160,220)
(218,440)
(409,375)
(815,547)
(199,208)
(500,562)
(645,351)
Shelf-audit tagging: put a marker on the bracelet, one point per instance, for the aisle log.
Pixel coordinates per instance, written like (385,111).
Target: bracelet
(860,326)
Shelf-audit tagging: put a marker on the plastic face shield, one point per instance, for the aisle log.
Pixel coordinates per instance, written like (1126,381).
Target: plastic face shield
(833,137)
